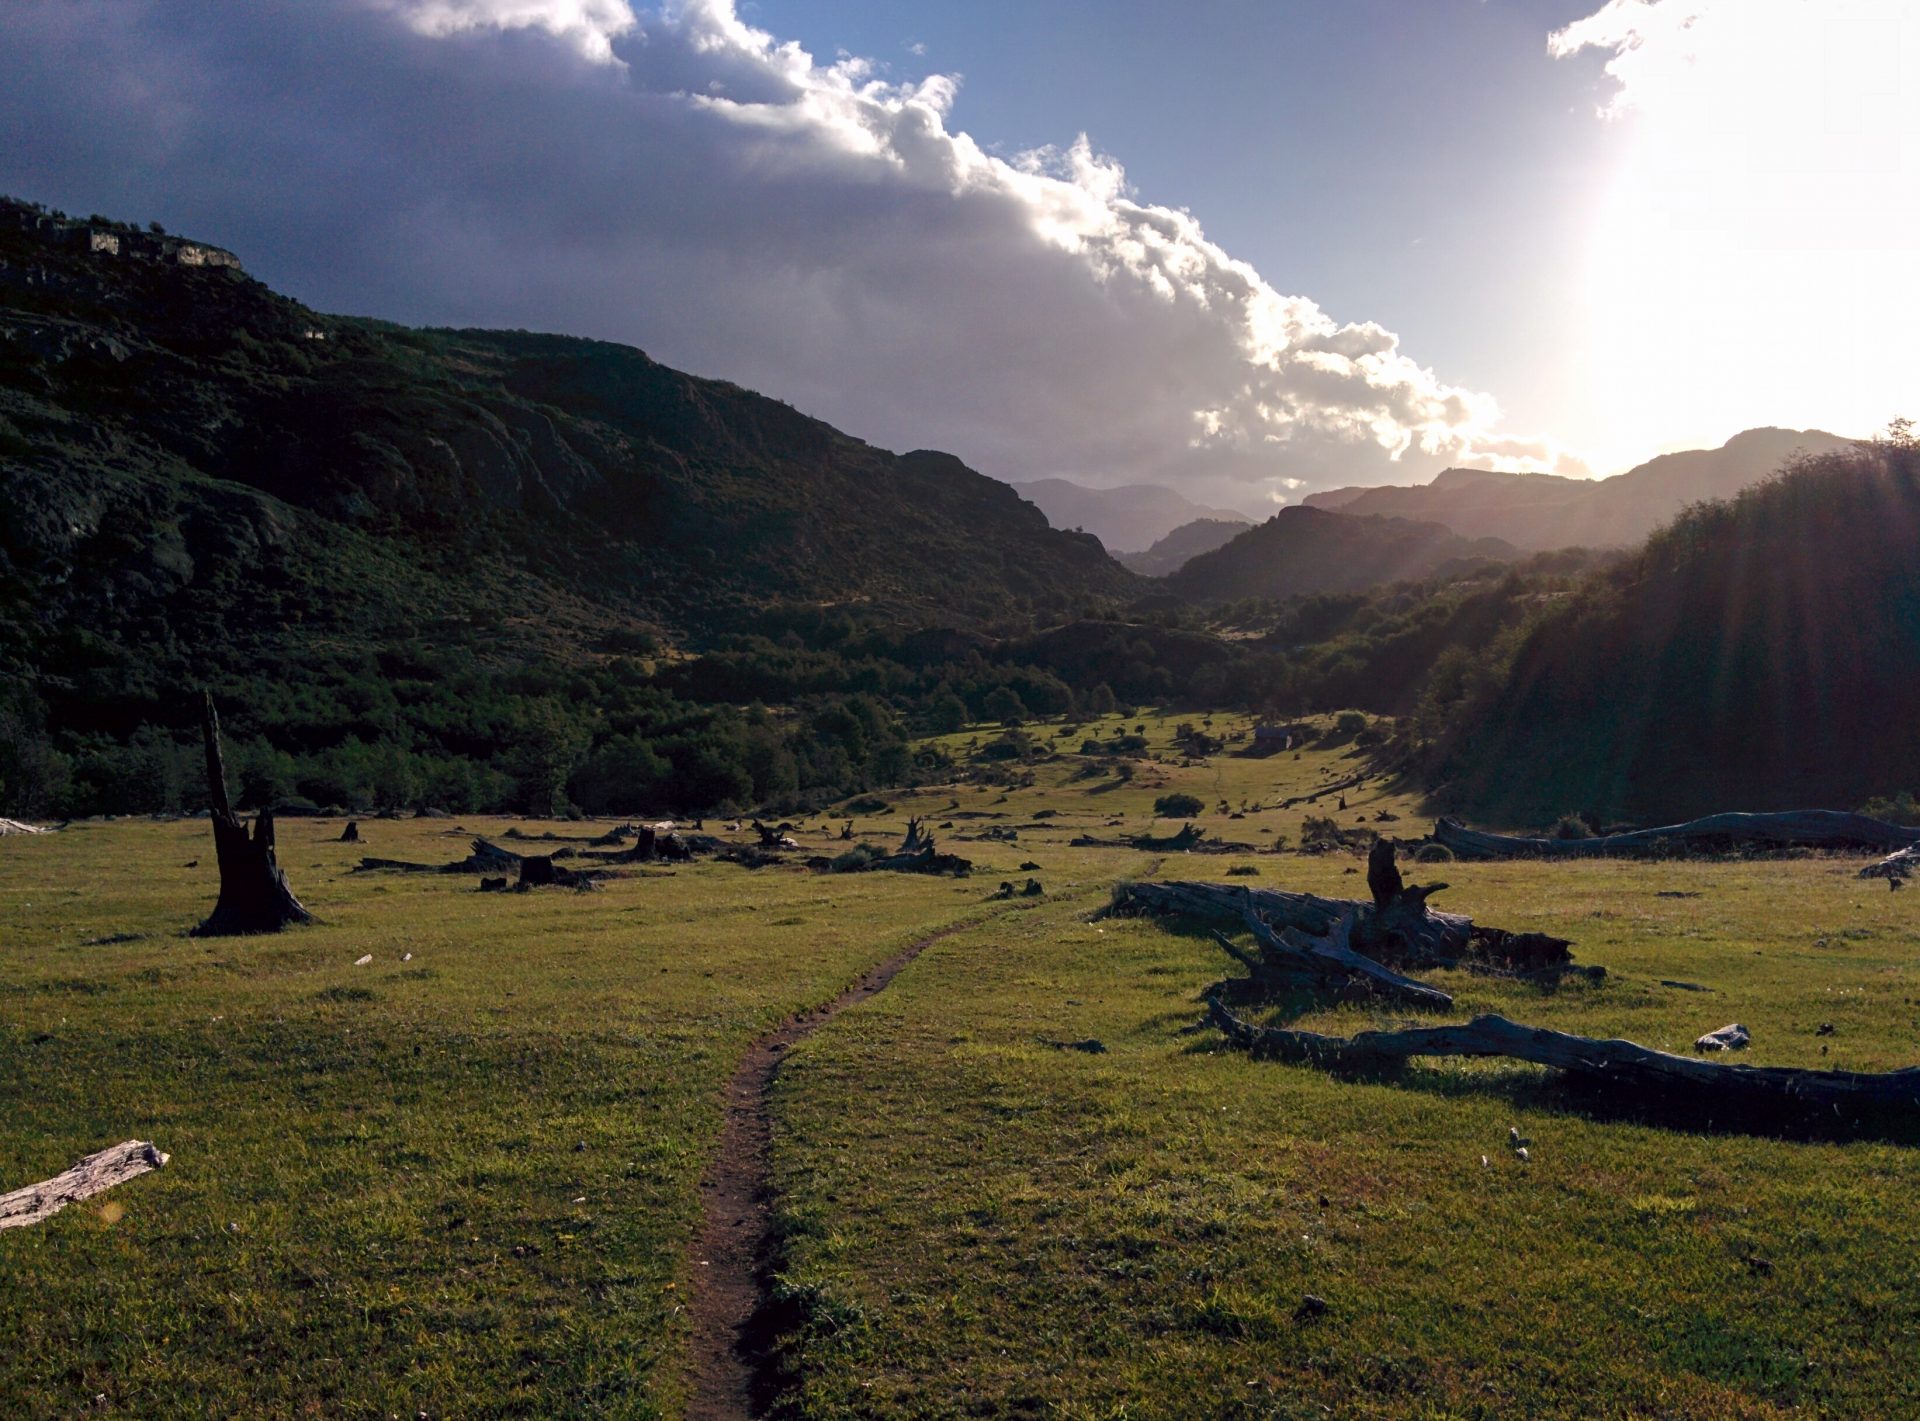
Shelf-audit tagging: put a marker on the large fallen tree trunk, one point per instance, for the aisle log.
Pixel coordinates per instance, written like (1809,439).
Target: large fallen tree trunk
(93,1175)
(1430,939)
(1398,926)
(487,857)
(1799,828)
(254,894)
(1621,1066)
(1286,959)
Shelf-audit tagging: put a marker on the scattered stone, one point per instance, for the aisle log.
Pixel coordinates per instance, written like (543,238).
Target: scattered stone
(1310,1307)
(1826,1029)
(1090,1045)
(1731,1037)
(363,961)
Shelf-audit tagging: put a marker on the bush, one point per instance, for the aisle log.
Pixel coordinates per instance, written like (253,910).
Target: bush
(1349,723)
(1572,826)
(1433,853)
(855,859)
(868,804)
(1901,809)
(1177,806)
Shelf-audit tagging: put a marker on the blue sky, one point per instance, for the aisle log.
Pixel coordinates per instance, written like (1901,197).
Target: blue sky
(1243,249)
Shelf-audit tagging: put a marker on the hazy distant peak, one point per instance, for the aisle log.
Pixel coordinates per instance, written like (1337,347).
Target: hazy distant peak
(1126,517)
(1539,511)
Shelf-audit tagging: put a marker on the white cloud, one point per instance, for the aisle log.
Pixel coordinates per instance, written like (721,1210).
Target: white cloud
(735,206)
(591,25)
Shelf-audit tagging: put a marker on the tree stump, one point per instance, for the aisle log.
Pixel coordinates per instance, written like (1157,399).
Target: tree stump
(254,896)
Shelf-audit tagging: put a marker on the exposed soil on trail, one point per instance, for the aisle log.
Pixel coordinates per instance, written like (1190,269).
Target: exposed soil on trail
(733,1252)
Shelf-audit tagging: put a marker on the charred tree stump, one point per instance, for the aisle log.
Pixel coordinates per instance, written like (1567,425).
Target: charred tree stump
(351,834)
(254,896)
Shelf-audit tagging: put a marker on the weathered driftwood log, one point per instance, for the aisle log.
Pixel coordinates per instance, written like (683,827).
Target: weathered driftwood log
(486,858)
(1623,1066)
(1426,938)
(95,1174)
(254,895)
(1897,867)
(1286,959)
(918,854)
(1190,839)
(1799,828)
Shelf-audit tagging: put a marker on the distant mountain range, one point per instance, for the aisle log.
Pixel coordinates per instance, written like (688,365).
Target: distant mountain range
(1539,511)
(1125,519)
(1303,549)
(1187,541)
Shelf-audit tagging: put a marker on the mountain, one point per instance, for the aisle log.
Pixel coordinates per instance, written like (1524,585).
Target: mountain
(1130,516)
(1302,549)
(183,451)
(1757,654)
(1189,540)
(1540,511)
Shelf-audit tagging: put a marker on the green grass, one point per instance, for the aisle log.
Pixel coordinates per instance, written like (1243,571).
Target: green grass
(464,1184)
(460,1184)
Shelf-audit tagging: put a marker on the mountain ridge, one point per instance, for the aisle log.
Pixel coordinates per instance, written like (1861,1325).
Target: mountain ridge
(1539,512)
(1305,550)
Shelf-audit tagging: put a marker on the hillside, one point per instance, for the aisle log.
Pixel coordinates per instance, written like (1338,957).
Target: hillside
(174,431)
(1541,511)
(1188,541)
(1758,654)
(1301,550)
(1128,517)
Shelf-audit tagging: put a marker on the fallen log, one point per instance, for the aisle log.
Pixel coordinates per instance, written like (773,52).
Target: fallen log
(1425,939)
(1897,867)
(95,1174)
(1799,828)
(254,893)
(1286,959)
(486,858)
(1620,1066)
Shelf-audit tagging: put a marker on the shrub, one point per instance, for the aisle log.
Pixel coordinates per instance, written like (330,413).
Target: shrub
(855,859)
(1900,809)
(1177,806)
(1433,853)
(1349,723)
(1572,826)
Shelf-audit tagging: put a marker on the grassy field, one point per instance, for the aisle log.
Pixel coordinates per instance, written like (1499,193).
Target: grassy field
(463,1183)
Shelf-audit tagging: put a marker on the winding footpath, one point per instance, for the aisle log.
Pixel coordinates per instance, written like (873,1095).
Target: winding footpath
(733,1252)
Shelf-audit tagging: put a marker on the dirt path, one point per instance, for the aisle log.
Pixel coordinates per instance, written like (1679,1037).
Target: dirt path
(732,1252)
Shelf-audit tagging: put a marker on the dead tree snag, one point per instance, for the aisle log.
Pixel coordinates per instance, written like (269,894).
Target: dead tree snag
(254,896)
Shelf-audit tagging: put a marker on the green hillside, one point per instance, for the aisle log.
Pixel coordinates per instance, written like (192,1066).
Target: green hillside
(1761,653)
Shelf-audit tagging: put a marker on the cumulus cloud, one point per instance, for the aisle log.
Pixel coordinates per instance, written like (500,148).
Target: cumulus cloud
(684,181)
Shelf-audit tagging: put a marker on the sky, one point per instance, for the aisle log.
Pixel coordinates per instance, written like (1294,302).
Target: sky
(1245,248)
